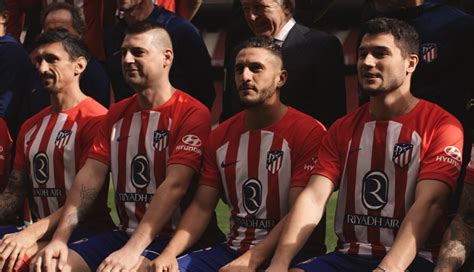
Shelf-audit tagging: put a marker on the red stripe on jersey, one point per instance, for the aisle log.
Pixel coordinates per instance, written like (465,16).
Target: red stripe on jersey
(59,176)
(273,202)
(253,152)
(122,166)
(348,229)
(401,175)
(140,207)
(378,162)
(43,147)
(164,123)
(230,173)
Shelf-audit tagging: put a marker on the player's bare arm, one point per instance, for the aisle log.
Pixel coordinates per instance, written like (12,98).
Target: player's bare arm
(459,236)
(12,197)
(431,198)
(302,219)
(164,203)
(254,257)
(82,195)
(190,228)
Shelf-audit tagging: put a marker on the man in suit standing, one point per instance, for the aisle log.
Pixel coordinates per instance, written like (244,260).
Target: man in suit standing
(313,59)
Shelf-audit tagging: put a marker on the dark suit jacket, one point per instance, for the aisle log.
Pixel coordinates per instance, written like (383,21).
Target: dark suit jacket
(315,85)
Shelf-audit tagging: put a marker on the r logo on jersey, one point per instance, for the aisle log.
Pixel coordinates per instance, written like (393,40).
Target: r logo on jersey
(140,172)
(160,139)
(429,52)
(375,190)
(274,160)
(41,168)
(62,139)
(252,195)
(402,154)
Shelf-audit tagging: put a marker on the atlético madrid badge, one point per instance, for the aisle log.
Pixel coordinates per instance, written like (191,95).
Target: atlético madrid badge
(429,52)
(402,153)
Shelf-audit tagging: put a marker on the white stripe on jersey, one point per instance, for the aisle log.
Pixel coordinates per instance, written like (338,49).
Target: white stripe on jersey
(114,144)
(33,150)
(241,170)
(341,200)
(364,161)
(133,141)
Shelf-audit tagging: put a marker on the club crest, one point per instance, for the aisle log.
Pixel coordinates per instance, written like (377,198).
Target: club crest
(62,139)
(429,52)
(160,139)
(274,160)
(402,154)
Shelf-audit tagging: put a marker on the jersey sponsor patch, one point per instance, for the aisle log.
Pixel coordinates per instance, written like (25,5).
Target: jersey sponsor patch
(160,139)
(62,139)
(453,156)
(140,172)
(402,154)
(252,195)
(274,160)
(41,168)
(429,52)
(375,190)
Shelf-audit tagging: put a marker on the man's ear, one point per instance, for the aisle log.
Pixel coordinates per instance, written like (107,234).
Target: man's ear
(282,78)
(412,63)
(169,55)
(81,64)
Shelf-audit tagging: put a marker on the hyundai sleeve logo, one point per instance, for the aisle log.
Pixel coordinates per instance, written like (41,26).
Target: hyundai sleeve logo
(192,140)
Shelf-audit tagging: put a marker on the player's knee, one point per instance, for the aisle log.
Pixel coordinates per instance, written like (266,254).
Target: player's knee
(295,270)
(76,263)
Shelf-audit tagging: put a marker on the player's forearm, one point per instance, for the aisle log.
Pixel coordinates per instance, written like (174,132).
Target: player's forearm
(11,199)
(415,229)
(457,245)
(266,247)
(188,8)
(163,205)
(81,197)
(300,224)
(45,226)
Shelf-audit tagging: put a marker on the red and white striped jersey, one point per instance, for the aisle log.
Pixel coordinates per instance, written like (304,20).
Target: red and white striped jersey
(377,164)
(470,169)
(5,155)
(52,147)
(139,144)
(93,11)
(256,169)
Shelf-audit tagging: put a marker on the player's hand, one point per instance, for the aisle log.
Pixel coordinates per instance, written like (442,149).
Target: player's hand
(241,264)
(13,249)
(164,263)
(43,261)
(120,260)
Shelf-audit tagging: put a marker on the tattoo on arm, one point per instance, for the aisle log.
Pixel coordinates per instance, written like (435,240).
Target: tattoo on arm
(87,196)
(13,195)
(459,237)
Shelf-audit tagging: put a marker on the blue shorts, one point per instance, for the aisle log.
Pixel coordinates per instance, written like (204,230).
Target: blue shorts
(96,248)
(336,261)
(77,235)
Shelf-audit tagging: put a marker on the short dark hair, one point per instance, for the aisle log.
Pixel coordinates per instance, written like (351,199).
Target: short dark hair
(73,45)
(261,42)
(144,26)
(78,22)
(406,37)
(3,5)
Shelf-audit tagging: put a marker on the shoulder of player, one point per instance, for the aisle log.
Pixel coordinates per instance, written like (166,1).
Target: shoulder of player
(438,115)
(224,127)
(189,103)
(300,122)
(93,108)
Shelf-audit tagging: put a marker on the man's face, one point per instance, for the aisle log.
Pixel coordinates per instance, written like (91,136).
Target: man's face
(264,17)
(142,60)
(56,68)
(381,66)
(60,20)
(258,73)
(128,4)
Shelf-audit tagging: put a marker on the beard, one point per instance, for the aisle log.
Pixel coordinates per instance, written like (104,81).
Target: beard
(262,96)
